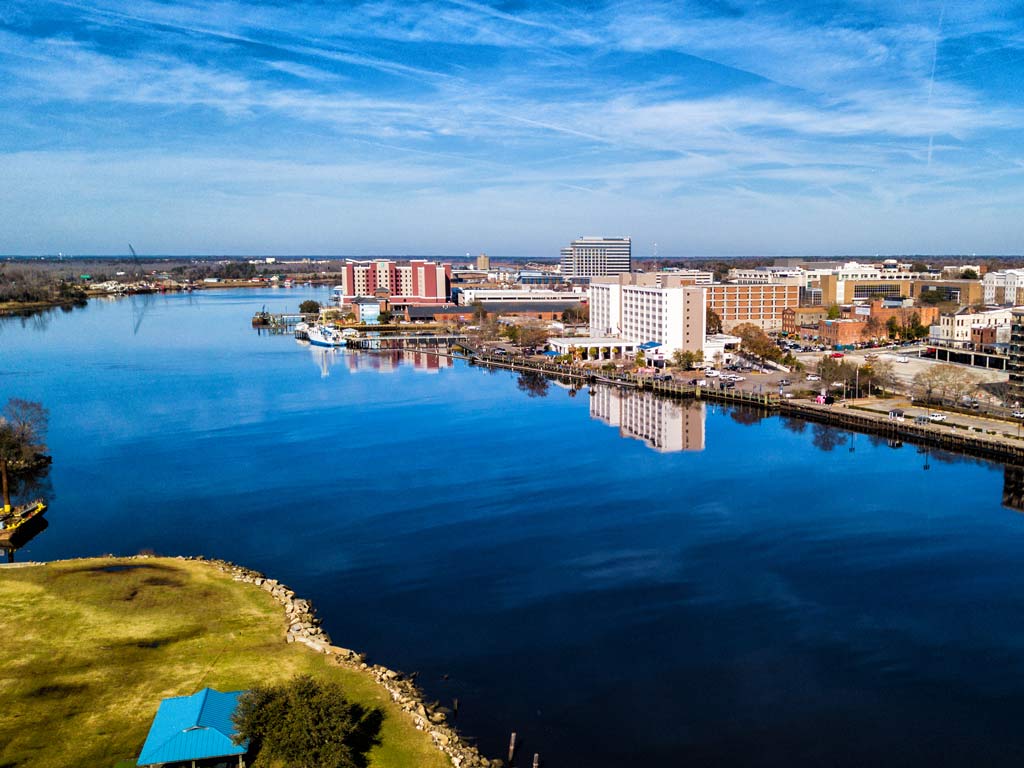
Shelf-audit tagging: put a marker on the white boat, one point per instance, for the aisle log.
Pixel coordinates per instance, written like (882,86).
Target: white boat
(302,331)
(324,336)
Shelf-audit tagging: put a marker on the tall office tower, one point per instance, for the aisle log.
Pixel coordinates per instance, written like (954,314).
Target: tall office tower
(589,257)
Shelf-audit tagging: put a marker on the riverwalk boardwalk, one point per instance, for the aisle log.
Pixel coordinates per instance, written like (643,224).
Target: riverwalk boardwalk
(976,441)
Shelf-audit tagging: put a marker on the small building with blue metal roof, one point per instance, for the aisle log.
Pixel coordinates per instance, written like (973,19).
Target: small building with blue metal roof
(188,730)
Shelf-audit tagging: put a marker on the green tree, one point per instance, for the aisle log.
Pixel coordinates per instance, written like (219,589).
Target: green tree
(834,311)
(892,326)
(685,360)
(309,307)
(969,274)
(23,425)
(641,361)
(305,723)
(918,266)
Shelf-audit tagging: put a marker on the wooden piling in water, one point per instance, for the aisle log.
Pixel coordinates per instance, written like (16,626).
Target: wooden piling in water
(512,748)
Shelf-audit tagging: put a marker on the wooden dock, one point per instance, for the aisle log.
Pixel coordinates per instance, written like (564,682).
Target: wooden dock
(406,341)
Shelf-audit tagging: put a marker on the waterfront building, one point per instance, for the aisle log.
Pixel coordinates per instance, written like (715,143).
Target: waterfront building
(1015,365)
(417,281)
(664,425)
(645,307)
(588,257)
(366,310)
(761,305)
(593,347)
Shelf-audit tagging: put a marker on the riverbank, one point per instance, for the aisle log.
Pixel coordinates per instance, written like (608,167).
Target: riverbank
(997,441)
(94,645)
(31,307)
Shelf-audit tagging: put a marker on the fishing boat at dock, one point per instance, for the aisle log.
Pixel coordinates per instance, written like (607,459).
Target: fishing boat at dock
(324,336)
(11,522)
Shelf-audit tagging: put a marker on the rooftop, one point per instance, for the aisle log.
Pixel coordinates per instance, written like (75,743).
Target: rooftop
(193,727)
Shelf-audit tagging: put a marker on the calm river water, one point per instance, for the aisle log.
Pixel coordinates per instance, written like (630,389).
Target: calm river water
(620,580)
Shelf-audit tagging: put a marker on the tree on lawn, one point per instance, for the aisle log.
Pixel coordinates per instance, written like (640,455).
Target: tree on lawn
(306,723)
(309,307)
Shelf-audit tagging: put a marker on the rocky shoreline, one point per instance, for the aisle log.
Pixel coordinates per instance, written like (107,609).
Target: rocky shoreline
(304,627)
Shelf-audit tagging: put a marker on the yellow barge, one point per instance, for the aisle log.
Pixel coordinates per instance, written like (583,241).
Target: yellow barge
(11,521)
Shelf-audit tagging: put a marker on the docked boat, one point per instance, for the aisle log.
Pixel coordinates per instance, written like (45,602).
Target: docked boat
(19,516)
(302,331)
(324,336)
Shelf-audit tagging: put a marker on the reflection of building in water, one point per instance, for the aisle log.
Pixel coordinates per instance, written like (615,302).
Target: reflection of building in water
(427,362)
(1013,487)
(665,425)
(388,361)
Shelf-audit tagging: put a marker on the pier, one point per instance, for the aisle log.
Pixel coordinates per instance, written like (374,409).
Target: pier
(406,341)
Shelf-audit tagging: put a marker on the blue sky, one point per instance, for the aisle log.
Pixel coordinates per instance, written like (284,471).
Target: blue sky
(710,128)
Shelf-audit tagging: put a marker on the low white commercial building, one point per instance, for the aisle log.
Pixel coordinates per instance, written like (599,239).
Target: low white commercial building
(955,330)
(469,296)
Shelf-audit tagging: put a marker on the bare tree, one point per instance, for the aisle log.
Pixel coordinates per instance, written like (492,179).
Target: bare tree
(22,437)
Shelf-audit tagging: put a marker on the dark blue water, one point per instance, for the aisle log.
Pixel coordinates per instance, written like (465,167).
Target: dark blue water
(728,591)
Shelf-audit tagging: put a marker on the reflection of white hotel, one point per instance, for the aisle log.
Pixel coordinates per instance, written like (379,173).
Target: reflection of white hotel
(665,425)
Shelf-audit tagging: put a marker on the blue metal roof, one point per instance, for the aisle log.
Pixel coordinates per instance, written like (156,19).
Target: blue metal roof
(649,345)
(192,728)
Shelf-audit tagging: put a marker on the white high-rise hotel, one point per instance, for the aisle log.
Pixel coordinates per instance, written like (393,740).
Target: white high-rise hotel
(588,257)
(649,307)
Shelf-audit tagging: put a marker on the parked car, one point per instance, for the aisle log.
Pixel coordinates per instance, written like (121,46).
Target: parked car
(920,419)
(1018,414)
(936,416)
(837,355)
(813,377)
(902,359)
(784,382)
(711,372)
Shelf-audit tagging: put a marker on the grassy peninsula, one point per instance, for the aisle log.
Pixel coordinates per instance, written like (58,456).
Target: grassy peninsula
(90,648)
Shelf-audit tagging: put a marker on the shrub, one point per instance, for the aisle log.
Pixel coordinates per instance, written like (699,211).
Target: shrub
(305,723)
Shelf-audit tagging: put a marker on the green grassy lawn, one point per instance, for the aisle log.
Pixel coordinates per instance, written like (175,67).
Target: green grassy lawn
(90,647)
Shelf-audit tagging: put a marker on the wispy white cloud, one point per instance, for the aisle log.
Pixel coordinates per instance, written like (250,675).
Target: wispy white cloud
(637,101)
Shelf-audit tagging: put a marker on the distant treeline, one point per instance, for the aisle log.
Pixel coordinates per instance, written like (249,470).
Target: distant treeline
(27,284)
